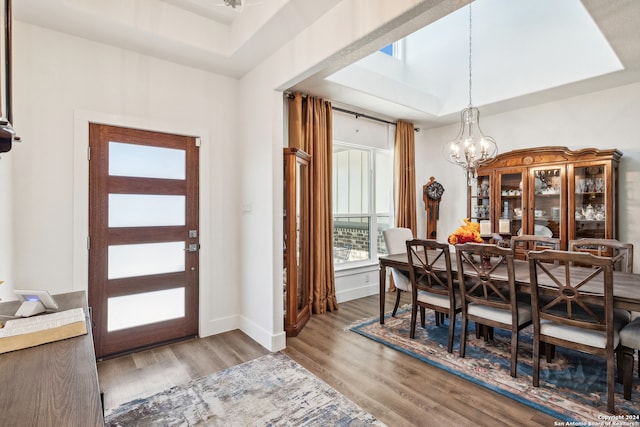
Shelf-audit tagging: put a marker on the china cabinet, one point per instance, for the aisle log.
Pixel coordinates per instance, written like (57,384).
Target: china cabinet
(549,191)
(297,304)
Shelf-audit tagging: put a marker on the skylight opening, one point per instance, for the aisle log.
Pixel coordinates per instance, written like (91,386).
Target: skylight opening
(394,50)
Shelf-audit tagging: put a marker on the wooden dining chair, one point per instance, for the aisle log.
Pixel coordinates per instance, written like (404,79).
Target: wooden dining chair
(523,244)
(621,252)
(487,286)
(573,308)
(431,287)
(395,241)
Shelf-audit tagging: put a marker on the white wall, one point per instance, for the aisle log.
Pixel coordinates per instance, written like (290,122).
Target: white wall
(62,82)
(6,230)
(604,119)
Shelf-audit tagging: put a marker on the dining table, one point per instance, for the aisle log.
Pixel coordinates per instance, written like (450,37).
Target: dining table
(626,286)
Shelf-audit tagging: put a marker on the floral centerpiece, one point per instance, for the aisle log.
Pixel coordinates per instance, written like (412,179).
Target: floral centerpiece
(469,232)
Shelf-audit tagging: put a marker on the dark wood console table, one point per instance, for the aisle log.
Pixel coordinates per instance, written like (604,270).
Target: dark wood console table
(54,384)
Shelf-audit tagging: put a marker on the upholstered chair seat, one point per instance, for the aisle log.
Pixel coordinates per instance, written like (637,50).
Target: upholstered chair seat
(395,241)
(499,315)
(439,300)
(629,341)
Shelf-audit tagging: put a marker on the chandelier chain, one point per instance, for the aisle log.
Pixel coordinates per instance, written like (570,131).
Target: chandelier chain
(470,57)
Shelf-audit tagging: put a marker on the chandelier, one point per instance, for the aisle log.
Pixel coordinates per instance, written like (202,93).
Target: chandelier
(236,5)
(471,148)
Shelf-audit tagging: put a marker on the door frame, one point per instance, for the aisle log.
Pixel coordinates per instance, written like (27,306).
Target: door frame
(80,273)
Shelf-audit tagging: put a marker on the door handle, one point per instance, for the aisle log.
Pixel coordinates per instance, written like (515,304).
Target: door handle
(193,247)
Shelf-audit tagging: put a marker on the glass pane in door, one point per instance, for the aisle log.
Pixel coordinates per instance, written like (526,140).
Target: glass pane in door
(145,259)
(146,210)
(481,199)
(512,208)
(590,202)
(145,308)
(547,205)
(143,161)
(302,229)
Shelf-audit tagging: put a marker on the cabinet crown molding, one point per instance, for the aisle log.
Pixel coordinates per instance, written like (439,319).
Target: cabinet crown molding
(548,155)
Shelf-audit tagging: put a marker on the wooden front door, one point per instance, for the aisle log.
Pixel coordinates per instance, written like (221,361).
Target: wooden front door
(143,237)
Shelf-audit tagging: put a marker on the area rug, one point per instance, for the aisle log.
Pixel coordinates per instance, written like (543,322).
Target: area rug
(272,390)
(572,387)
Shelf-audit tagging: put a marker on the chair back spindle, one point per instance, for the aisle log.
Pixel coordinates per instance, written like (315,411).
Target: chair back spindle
(525,243)
(621,252)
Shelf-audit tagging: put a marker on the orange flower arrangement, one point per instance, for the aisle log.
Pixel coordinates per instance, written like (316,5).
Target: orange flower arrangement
(469,232)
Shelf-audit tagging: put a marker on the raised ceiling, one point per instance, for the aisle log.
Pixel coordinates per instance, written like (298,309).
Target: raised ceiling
(525,52)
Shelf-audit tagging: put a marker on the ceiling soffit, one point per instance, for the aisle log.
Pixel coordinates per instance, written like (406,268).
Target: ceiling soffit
(219,42)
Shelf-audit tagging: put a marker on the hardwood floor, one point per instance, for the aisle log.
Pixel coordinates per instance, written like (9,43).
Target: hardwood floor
(396,388)
(142,374)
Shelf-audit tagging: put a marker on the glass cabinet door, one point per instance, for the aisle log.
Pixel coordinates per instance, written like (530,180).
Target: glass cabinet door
(547,196)
(296,291)
(512,208)
(302,298)
(480,199)
(590,206)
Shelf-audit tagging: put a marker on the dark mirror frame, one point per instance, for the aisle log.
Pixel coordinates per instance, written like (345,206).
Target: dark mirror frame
(7,133)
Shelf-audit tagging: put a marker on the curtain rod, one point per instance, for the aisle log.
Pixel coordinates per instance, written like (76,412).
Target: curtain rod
(342,110)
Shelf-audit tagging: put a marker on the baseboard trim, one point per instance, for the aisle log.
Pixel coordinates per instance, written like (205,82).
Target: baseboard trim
(359,292)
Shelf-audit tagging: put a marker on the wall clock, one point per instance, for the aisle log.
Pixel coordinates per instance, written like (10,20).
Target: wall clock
(432,193)
(435,190)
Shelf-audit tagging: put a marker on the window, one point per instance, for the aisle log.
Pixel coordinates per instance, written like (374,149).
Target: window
(388,49)
(362,202)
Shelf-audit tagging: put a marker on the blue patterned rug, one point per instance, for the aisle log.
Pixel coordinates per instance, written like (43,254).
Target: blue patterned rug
(272,390)
(572,387)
